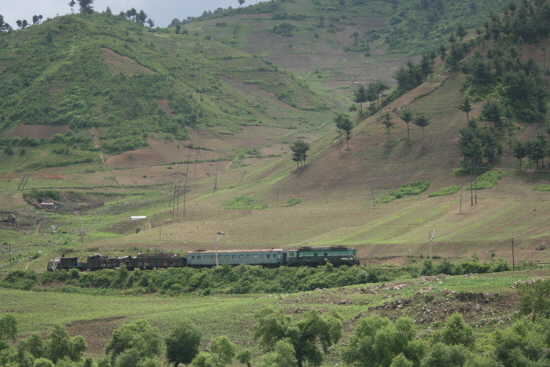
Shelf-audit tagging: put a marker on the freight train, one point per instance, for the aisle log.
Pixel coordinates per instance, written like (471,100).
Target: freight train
(304,256)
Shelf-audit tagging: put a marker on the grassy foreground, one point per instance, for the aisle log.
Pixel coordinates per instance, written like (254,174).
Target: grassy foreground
(484,300)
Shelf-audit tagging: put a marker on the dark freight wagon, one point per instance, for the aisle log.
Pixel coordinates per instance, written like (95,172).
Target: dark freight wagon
(151,261)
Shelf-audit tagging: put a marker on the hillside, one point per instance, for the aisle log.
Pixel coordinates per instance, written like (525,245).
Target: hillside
(339,197)
(336,46)
(118,83)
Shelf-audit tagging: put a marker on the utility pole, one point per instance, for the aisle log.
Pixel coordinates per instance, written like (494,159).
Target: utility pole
(513,259)
(460,199)
(217,237)
(216,178)
(277,193)
(431,236)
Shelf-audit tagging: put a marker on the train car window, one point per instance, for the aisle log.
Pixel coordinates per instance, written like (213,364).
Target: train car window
(255,256)
(227,256)
(262,256)
(314,254)
(212,257)
(326,253)
(248,256)
(193,257)
(234,256)
(241,257)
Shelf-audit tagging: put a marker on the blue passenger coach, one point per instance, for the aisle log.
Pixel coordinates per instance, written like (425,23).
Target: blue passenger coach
(207,258)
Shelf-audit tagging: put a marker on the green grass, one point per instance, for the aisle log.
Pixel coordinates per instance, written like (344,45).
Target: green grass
(542,187)
(411,188)
(445,191)
(488,180)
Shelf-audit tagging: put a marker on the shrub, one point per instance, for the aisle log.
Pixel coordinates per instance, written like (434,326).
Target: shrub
(542,187)
(411,188)
(292,202)
(487,180)
(445,191)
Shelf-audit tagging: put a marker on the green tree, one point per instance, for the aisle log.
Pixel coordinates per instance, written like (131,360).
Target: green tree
(60,345)
(407,115)
(466,107)
(72,3)
(492,112)
(8,328)
(241,2)
(535,299)
(522,344)
(86,6)
(310,337)
(224,348)
(299,152)
(401,361)
(360,97)
(377,341)
(343,123)
(456,331)
(443,53)
(421,120)
(245,357)
(141,17)
(460,32)
(222,353)
(283,355)
(446,355)
(133,342)
(182,345)
(387,122)
(33,345)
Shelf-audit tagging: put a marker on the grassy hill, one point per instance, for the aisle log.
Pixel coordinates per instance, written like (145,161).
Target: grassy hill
(239,153)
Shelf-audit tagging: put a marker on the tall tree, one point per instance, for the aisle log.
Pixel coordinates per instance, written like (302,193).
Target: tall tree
(241,2)
(60,345)
(421,120)
(310,337)
(360,97)
(466,107)
(376,341)
(182,345)
(72,3)
(387,122)
(299,152)
(86,6)
(518,151)
(492,112)
(460,32)
(343,123)
(134,342)
(141,17)
(222,352)
(36,19)
(8,328)
(407,116)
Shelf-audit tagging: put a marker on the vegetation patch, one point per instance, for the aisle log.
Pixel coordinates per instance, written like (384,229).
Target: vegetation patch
(292,202)
(243,203)
(411,188)
(542,187)
(445,191)
(487,180)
